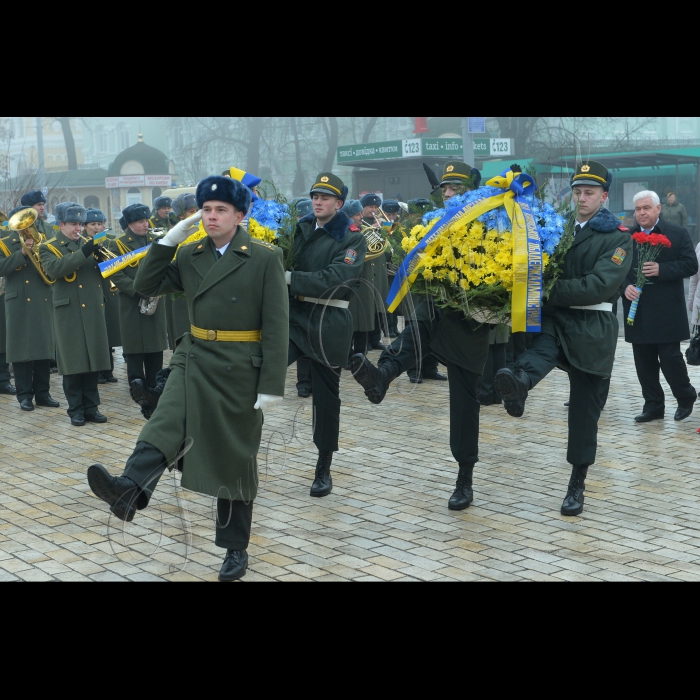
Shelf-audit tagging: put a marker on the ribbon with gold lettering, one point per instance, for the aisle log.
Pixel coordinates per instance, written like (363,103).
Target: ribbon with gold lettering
(527,248)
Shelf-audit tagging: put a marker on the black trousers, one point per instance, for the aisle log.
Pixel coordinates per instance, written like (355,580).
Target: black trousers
(325,392)
(375,335)
(464,414)
(411,349)
(107,374)
(648,359)
(584,397)
(304,373)
(81,393)
(4,368)
(496,360)
(233,518)
(32,379)
(145,365)
(517,344)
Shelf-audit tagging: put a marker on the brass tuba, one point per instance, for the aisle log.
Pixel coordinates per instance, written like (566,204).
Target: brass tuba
(23,222)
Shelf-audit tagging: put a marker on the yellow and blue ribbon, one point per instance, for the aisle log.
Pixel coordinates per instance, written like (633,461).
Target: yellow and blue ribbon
(109,267)
(526,306)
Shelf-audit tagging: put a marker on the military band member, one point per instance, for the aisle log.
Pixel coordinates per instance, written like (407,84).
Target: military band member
(228,370)
(462,344)
(29,311)
(303,207)
(163,218)
(579,328)
(5,384)
(327,258)
(143,336)
(95,222)
(36,200)
(82,348)
(177,315)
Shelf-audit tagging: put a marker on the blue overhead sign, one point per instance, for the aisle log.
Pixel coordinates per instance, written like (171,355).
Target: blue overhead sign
(477,125)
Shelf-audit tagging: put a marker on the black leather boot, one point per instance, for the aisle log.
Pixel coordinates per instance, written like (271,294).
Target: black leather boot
(145,397)
(463,494)
(573,503)
(234,565)
(374,380)
(119,492)
(323,483)
(513,386)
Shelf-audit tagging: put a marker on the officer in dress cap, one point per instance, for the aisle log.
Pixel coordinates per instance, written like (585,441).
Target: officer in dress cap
(579,330)
(225,373)
(82,347)
(143,337)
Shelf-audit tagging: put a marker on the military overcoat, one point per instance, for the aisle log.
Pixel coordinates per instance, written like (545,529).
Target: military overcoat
(27,305)
(114,334)
(327,262)
(213,386)
(78,307)
(139,333)
(593,270)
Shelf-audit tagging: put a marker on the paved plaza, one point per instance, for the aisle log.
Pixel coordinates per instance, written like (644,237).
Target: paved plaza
(387,518)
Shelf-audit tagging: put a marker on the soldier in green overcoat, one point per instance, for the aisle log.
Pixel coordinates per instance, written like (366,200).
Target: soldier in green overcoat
(224,373)
(94,225)
(328,259)
(579,328)
(143,336)
(29,310)
(36,200)
(78,313)
(163,217)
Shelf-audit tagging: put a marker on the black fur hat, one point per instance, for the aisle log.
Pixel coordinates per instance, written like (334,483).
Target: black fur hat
(123,224)
(183,202)
(391,206)
(93,215)
(303,206)
(66,211)
(32,198)
(371,199)
(16,209)
(162,202)
(136,212)
(224,189)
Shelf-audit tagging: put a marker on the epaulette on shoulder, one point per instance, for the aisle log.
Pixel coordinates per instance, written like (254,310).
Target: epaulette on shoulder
(623,228)
(264,244)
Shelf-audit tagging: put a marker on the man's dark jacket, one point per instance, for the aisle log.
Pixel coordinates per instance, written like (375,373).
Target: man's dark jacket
(661,313)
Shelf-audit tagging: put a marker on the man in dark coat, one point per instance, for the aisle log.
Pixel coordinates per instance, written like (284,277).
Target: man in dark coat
(95,223)
(226,372)
(82,349)
(143,335)
(661,321)
(462,344)
(328,258)
(28,303)
(579,328)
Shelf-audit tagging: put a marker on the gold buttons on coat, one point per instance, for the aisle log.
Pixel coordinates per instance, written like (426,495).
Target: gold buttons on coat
(83,305)
(28,299)
(80,286)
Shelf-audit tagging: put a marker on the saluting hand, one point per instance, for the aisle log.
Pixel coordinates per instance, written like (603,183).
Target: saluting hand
(182,231)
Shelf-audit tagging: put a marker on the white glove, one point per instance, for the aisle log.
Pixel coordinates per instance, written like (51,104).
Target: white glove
(266,401)
(288,277)
(182,231)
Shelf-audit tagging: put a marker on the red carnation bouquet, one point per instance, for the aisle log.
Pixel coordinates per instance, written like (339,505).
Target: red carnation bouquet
(648,246)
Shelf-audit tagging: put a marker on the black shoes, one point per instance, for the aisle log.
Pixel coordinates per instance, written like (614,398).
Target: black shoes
(304,393)
(7,388)
(512,385)
(119,492)
(77,419)
(573,502)
(374,380)
(101,379)
(26,405)
(145,397)
(234,565)
(463,494)
(682,413)
(436,376)
(378,346)
(95,417)
(415,378)
(323,483)
(647,416)
(47,402)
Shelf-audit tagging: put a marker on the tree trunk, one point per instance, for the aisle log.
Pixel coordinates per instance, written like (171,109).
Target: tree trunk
(255,130)
(70,143)
(332,140)
(368,129)
(299,178)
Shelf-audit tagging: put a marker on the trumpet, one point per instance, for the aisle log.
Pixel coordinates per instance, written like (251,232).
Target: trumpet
(106,254)
(23,222)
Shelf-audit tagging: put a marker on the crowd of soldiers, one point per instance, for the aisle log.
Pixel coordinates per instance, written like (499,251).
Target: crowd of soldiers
(236,319)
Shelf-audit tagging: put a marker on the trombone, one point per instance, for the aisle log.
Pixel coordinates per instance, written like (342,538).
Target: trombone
(106,255)
(23,222)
